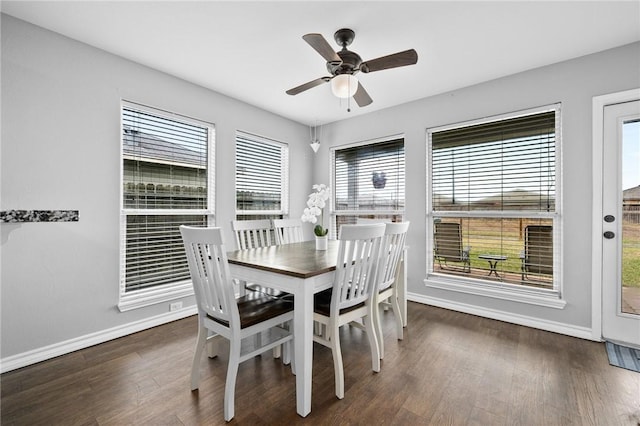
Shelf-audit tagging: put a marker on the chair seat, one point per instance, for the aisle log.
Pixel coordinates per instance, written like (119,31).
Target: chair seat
(256,307)
(268,291)
(322,303)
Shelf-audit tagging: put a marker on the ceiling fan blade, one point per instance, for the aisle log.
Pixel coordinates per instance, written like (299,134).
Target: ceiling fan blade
(361,96)
(320,44)
(309,85)
(400,59)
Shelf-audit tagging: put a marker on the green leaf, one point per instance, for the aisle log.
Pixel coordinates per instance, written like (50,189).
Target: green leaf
(320,231)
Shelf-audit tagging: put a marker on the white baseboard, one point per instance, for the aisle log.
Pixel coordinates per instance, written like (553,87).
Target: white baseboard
(556,327)
(42,354)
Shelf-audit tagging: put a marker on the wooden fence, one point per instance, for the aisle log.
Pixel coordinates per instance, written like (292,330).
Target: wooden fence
(631,213)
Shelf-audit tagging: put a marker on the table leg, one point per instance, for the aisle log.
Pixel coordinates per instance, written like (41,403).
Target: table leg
(493,268)
(303,343)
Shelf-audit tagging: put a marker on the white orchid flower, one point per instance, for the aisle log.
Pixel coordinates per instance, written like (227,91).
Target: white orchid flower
(316,202)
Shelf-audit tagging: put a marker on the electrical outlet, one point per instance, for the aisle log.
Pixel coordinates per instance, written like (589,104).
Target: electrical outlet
(175,306)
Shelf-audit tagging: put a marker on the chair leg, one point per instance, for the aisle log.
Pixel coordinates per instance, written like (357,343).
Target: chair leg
(288,355)
(377,326)
(286,352)
(336,352)
(258,342)
(232,373)
(292,355)
(201,341)
(213,343)
(395,307)
(278,352)
(373,342)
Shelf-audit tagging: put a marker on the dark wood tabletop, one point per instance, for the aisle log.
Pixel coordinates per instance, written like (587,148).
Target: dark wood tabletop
(300,260)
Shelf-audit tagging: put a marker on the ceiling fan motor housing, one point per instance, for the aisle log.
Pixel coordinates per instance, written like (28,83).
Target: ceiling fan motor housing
(350,63)
(350,60)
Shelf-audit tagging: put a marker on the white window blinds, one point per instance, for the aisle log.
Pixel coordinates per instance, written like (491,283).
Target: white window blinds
(261,175)
(166,182)
(370,177)
(495,181)
(164,161)
(502,165)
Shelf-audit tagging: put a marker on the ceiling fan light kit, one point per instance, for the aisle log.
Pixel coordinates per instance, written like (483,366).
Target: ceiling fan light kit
(344,85)
(344,64)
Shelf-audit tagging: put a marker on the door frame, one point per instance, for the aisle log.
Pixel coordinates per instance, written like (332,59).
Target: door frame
(598,106)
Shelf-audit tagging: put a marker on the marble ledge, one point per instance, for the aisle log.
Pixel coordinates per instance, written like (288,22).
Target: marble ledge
(18,216)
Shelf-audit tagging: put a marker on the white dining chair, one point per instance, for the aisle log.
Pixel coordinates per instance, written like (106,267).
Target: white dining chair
(287,231)
(351,296)
(253,233)
(387,295)
(221,313)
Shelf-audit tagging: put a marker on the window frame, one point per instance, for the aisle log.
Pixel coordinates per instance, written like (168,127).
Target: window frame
(134,299)
(334,213)
(500,290)
(283,212)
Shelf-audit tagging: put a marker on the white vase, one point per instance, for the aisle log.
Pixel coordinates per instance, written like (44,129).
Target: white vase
(321,243)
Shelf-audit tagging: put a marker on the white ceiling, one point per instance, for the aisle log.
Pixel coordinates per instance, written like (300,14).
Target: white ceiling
(254,52)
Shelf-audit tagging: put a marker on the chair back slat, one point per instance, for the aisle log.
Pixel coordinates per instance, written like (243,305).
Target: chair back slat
(210,275)
(538,248)
(358,256)
(252,233)
(448,240)
(287,231)
(390,253)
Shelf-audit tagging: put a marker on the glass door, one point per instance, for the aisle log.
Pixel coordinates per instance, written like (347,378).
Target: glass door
(621,227)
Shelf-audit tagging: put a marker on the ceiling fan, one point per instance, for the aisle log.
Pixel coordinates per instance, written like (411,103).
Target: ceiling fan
(344,64)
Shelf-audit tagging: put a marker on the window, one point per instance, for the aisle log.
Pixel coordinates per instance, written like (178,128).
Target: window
(368,182)
(167,181)
(262,178)
(493,211)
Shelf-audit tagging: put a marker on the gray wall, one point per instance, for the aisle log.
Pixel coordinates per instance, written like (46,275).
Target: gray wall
(573,83)
(61,150)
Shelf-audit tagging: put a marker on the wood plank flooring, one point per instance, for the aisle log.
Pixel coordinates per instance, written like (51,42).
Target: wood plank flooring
(451,368)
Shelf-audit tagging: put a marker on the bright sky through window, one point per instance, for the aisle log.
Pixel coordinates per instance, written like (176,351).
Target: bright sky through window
(631,155)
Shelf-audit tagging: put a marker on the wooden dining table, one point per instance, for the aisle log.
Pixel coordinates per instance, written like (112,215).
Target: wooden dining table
(299,269)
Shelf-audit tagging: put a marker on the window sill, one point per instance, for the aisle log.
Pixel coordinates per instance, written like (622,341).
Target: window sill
(549,299)
(141,298)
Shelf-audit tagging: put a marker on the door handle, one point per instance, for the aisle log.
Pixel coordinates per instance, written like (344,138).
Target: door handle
(609,235)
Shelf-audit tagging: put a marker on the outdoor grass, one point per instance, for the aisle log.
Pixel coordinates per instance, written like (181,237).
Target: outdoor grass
(480,235)
(631,255)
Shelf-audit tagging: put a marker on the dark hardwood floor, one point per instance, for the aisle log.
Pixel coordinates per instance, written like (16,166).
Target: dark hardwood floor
(451,368)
